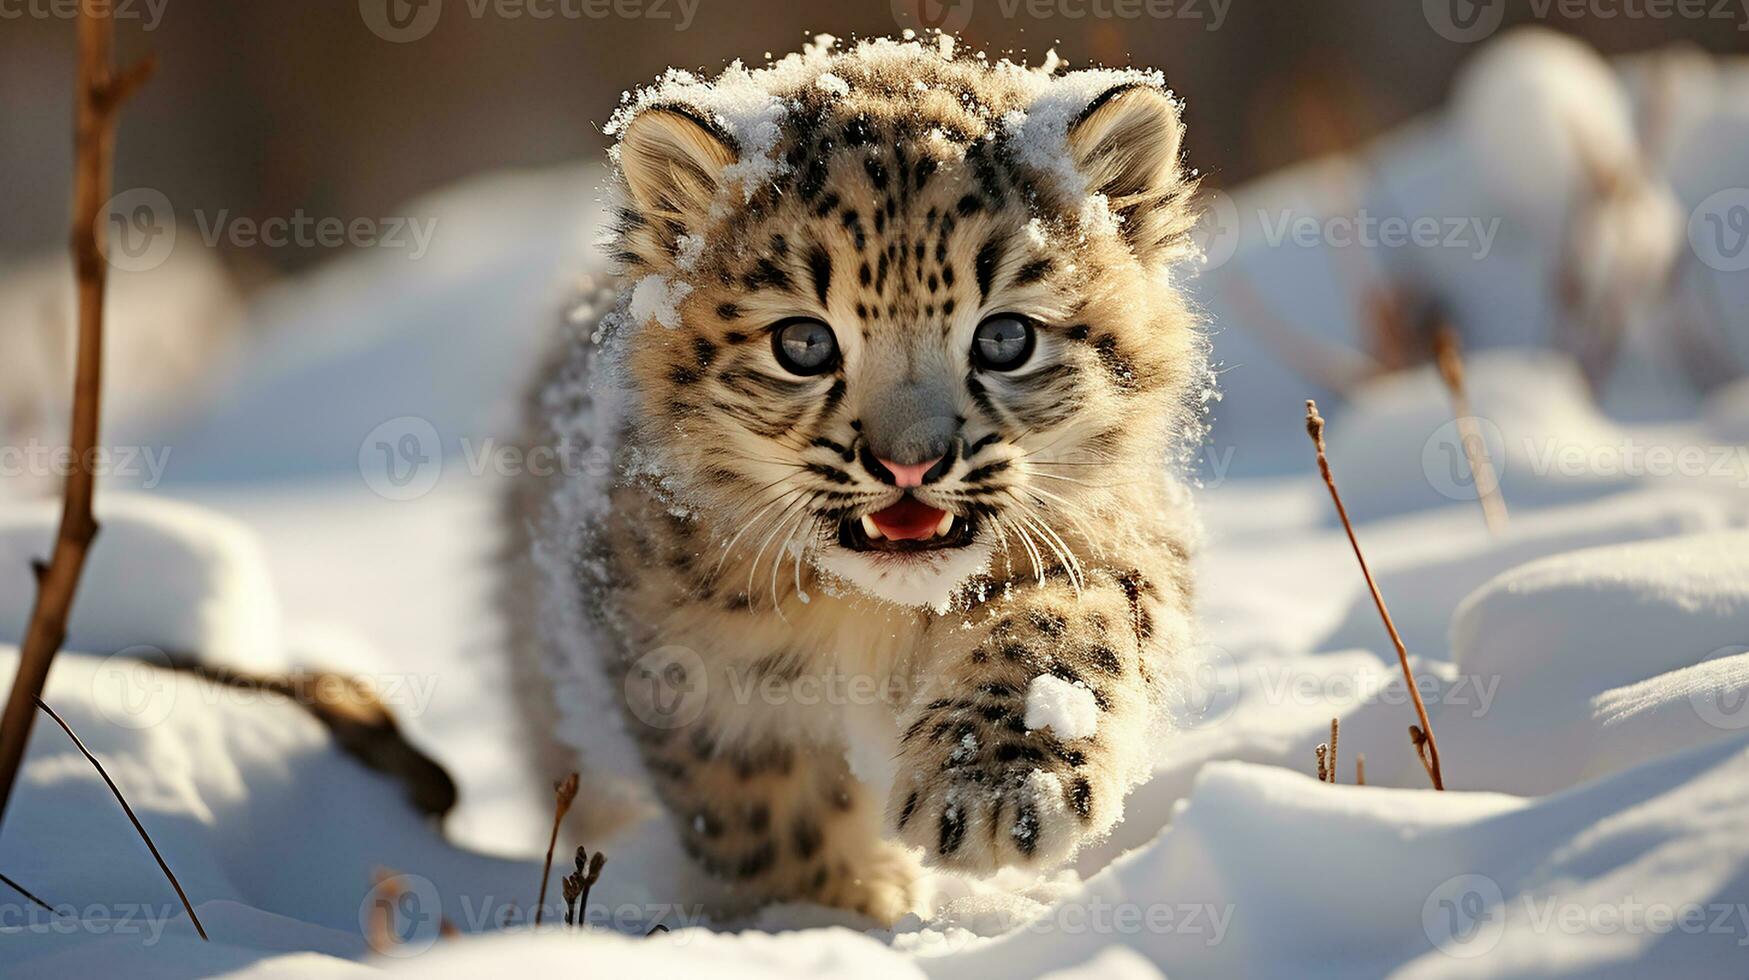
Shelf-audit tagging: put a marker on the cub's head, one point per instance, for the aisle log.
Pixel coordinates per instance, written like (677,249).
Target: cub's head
(906,315)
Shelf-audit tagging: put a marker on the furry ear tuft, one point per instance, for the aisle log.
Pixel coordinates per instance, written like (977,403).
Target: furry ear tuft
(1126,145)
(673,163)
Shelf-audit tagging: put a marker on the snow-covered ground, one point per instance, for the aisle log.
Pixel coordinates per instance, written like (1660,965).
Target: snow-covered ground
(1586,671)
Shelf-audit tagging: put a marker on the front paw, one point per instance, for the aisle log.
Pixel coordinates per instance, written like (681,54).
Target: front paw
(978,791)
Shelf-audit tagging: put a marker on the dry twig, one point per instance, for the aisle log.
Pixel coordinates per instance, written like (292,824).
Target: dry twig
(565,793)
(578,884)
(1326,752)
(1360,769)
(186,905)
(1448,353)
(1421,736)
(20,889)
(100,96)
(1335,728)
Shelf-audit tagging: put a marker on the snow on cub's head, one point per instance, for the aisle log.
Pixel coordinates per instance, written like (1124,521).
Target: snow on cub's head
(903,315)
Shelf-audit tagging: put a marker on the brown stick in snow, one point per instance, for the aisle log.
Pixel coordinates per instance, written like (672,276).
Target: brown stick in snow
(20,889)
(1449,355)
(140,828)
(1420,736)
(100,96)
(1335,728)
(565,793)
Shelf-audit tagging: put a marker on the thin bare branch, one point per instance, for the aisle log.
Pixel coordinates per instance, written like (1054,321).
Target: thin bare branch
(100,95)
(564,794)
(1335,730)
(1448,353)
(138,827)
(1425,748)
(20,889)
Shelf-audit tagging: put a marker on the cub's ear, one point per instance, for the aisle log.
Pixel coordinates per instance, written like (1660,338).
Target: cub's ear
(1126,145)
(673,164)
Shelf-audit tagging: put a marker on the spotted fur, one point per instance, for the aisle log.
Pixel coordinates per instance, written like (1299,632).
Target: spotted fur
(902,203)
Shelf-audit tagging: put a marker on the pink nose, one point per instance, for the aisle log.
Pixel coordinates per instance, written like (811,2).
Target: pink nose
(908,476)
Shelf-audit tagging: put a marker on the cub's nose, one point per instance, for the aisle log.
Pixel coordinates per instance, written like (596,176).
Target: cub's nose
(912,475)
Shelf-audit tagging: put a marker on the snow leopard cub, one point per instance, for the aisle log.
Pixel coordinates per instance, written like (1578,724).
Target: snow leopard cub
(889,562)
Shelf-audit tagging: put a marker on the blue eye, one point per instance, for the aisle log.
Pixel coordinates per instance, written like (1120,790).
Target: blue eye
(805,346)
(1003,342)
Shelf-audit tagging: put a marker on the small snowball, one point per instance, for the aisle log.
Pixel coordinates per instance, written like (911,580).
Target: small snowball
(832,85)
(655,298)
(1066,709)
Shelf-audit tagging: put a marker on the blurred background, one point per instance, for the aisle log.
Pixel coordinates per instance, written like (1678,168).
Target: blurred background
(266,108)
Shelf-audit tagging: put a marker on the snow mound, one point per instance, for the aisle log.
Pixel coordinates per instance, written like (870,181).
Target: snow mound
(834,952)
(1266,871)
(1614,614)
(1068,710)
(1602,658)
(273,832)
(1540,95)
(172,577)
(1423,589)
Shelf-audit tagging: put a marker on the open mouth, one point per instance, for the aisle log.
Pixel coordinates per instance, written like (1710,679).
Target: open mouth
(907,526)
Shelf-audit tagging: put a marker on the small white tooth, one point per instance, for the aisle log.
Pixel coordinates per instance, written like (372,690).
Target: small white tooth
(944,525)
(869,528)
